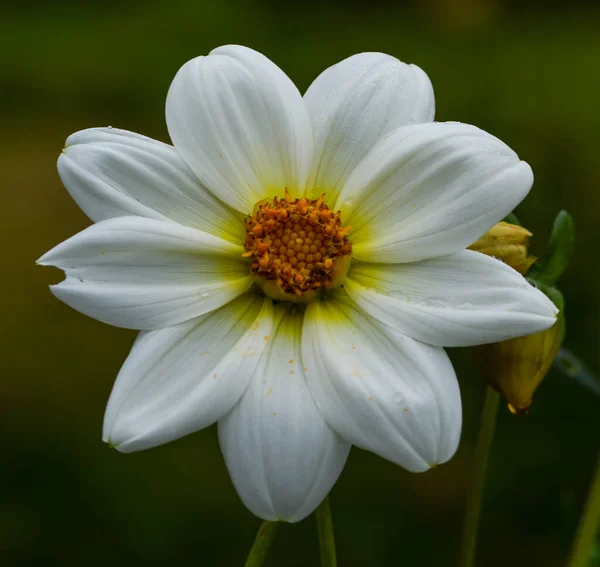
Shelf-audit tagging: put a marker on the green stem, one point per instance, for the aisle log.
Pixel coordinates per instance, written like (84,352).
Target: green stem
(260,548)
(475,490)
(325,529)
(588,525)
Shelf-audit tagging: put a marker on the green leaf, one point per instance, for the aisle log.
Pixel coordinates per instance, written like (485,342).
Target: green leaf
(534,271)
(512,219)
(550,292)
(560,249)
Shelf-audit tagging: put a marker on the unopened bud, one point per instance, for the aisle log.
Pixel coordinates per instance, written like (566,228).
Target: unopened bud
(515,368)
(509,243)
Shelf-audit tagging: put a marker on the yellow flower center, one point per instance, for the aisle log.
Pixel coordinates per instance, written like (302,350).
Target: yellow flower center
(298,248)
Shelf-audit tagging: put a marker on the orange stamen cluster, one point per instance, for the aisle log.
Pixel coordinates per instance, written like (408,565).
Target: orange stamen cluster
(295,243)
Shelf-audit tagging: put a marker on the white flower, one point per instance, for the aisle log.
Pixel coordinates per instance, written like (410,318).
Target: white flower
(183,247)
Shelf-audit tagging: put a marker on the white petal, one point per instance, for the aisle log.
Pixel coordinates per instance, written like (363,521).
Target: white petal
(282,457)
(429,190)
(354,104)
(140,273)
(381,390)
(114,173)
(459,300)
(241,125)
(183,378)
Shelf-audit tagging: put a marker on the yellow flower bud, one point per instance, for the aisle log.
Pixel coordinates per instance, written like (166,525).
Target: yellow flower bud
(507,242)
(515,368)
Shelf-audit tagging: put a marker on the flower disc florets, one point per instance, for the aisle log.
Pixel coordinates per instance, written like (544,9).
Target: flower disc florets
(298,248)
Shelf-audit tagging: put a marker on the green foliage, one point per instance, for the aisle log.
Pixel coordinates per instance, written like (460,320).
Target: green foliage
(560,249)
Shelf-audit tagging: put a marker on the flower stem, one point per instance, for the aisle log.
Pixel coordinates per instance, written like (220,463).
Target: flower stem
(475,490)
(588,525)
(325,529)
(260,548)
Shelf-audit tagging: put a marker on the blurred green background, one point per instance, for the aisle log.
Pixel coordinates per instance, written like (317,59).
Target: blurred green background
(528,74)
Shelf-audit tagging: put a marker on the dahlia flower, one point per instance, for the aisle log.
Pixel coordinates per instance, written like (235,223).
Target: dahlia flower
(295,265)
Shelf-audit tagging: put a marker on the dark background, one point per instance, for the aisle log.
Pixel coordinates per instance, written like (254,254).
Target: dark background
(531,76)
